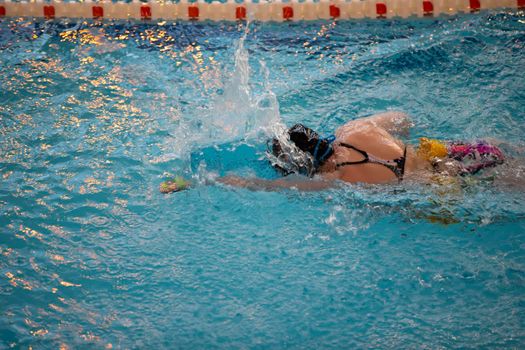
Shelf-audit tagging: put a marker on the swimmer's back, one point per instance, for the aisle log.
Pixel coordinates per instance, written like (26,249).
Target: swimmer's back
(384,146)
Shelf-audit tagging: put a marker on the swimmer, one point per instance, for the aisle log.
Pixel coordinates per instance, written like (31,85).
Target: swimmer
(366,150)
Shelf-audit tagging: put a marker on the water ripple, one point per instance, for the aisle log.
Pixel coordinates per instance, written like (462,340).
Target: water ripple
(91,255)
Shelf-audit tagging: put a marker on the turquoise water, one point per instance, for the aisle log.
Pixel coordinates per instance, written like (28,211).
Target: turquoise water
(93,118)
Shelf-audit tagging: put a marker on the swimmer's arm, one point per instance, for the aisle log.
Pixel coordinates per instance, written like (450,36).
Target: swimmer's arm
(396,123)
(257,184)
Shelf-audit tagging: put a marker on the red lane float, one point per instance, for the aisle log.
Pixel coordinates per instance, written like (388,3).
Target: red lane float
(475,5)
(381,10)
(428,8)
(287,12)
(240,12)
(335,12)
(193,12)
(49,11)
(145,12)
(97,12)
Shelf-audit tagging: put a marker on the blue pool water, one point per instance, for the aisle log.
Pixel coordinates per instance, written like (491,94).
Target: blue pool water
(93,118)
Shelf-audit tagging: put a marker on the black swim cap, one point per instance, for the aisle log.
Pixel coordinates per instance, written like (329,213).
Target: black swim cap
(311,142)
(308,141)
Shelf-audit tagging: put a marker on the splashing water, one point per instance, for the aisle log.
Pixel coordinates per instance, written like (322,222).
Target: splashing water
(238,113)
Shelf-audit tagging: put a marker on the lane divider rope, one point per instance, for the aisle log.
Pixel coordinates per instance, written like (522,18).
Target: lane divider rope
(262,10)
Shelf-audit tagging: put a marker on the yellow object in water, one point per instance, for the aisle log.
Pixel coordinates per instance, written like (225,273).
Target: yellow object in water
(431,148)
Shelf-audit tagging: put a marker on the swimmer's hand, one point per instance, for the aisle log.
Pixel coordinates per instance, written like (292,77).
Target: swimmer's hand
(174,185)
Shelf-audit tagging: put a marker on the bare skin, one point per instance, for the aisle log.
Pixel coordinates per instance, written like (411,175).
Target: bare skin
(374,135)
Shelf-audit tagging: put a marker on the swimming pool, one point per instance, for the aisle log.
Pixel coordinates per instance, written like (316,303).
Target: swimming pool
(94,117)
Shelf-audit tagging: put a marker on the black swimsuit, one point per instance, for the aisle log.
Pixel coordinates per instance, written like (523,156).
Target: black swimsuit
(397,166)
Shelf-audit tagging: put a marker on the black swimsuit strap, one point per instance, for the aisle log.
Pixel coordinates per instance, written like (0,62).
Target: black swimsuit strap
(354,148)
(401,164)
(398,169)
